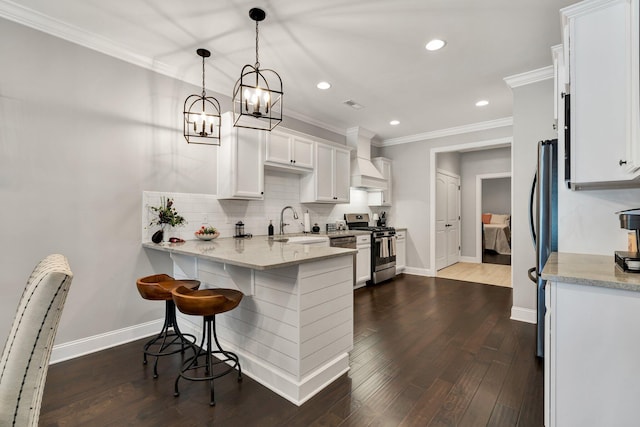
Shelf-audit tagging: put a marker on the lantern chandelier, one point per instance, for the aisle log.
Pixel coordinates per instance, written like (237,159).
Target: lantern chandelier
(202,114)
(257,95)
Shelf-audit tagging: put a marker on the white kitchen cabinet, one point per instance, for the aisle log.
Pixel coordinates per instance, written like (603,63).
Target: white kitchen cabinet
(363,260)
(601,38)
(401,251)
(329,182)
(383,197)
(287,150)
(240,162)
(593,373)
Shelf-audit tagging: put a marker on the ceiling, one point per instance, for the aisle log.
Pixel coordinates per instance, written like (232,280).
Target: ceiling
(371,51)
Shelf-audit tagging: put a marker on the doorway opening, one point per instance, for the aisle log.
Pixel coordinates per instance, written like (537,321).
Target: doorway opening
(493,218)
(473,146)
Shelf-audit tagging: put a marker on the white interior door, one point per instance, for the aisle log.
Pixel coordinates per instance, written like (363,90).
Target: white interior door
(441,221)
(453,220)
(447,220)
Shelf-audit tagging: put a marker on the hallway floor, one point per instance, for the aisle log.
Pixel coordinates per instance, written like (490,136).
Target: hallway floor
(488,274)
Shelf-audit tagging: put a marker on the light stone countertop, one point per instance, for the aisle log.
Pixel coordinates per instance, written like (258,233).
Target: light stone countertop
(258,252)
(589,270)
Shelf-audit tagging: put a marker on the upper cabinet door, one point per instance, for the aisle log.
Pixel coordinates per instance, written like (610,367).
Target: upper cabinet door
(324,174)
(342,175)
(250,177)
(603,80)
(240,162)
(330,180)
(277,148)
(381,197)
(302,153)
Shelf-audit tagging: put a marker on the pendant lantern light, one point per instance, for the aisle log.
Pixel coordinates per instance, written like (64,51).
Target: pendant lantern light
(257,95)
(202,114)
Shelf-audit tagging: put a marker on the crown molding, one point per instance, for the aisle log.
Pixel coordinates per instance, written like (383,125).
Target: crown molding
(533,76)
(41,22)
(315,122)
(473,127)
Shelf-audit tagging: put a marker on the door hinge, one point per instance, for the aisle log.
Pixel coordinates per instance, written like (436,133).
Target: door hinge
(458,188)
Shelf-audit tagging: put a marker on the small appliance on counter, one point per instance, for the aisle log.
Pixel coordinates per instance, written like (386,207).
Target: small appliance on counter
(626,260)
(240,234)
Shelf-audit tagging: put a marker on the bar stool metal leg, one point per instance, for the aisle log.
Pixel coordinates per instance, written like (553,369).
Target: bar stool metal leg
(169,337)
(222,357)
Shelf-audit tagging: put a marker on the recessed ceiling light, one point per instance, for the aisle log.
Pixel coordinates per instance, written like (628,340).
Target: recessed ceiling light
(394,122)
(482,103)
(435,44)
(323,85)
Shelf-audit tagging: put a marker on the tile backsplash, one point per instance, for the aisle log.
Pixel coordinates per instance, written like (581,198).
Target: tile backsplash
(280,189)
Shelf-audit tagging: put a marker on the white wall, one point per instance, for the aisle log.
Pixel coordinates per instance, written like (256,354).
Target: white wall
(82,135)
(472,164)
(532,122)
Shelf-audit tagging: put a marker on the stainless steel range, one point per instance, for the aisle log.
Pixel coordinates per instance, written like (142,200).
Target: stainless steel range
(383,246)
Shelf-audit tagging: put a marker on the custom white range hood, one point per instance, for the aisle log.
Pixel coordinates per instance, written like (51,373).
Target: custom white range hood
(364,174)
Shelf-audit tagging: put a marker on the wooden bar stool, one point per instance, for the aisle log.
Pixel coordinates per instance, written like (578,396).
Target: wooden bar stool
(207,303)
(170,340)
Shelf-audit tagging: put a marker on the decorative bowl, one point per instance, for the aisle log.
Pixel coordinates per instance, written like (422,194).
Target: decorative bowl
(207,236)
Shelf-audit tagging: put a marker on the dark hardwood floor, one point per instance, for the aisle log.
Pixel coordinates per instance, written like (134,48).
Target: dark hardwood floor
(427,352)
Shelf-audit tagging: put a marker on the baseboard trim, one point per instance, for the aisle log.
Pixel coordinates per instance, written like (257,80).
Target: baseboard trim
(522,314)
(92,344)
(419,271)
(471,259)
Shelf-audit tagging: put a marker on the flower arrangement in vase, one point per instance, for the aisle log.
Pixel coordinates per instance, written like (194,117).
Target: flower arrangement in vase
(166,214)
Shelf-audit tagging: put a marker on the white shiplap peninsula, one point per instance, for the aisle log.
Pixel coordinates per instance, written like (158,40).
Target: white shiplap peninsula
(293,329)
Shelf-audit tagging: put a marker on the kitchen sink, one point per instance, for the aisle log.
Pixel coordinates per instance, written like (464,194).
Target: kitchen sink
(303,240)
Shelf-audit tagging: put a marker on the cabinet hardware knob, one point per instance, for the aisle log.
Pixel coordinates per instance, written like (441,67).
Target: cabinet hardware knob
(294,161)
(622,162)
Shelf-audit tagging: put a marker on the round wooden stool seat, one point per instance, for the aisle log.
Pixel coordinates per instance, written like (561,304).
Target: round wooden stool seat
(170,340)
(159,286)
(208,363)
(205,302)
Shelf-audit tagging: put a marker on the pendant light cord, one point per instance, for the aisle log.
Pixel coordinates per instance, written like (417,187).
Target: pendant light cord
(203,92)
(257,40)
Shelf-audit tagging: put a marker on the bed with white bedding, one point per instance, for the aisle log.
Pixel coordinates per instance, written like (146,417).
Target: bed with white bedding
(496,232)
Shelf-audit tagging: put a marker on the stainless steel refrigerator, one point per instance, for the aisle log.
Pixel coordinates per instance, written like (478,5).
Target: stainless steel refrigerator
(543,220)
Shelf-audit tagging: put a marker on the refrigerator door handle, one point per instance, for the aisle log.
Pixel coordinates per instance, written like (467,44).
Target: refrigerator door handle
(532,221)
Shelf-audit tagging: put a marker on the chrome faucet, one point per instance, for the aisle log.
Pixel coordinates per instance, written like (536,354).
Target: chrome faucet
(282,223)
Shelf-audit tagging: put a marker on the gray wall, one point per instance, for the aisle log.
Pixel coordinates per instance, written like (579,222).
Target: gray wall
(472,164)
(496,195)
(532,122)
(449,162)
(411,172)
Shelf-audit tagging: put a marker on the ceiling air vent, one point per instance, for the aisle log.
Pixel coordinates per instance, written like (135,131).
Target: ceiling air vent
(353,104)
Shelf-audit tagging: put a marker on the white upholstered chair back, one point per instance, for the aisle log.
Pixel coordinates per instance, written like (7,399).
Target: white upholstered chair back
(25,358)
